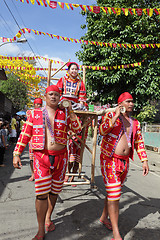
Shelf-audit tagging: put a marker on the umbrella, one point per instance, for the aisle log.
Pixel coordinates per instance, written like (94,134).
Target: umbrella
(22,112)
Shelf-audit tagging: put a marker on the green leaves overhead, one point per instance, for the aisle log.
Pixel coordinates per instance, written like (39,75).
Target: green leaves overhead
(142,82)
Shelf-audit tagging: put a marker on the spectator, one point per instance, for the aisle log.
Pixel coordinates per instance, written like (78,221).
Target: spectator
(3,144)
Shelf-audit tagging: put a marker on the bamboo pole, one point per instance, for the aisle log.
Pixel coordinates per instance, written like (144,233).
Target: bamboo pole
(74,134)
(49,73)
(82,146)
(60,68)
(94,150)
(84,75)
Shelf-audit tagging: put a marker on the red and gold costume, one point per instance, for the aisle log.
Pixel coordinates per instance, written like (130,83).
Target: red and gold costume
(35,128)
(72,89)
(109,166)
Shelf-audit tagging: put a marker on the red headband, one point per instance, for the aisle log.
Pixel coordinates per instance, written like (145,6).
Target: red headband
(124,96)
(69,63)
(38,100)
(52,88)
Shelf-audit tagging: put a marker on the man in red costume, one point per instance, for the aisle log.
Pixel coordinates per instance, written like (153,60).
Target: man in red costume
(121,134)
(37,104)
(48,129)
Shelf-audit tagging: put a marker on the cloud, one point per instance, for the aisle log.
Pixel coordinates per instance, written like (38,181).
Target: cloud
(9,49)
(42,63)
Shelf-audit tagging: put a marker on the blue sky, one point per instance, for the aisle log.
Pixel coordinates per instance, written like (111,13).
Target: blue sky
(63,22)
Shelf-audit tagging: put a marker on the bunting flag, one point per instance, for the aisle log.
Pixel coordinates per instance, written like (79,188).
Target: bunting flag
(137,64)
(101,44)
(96,9)
(32,58)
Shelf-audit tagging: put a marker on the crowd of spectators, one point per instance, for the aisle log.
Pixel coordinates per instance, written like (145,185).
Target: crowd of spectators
(9,133)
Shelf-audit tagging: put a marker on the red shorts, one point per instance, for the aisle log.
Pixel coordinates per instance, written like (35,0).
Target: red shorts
(114,171)
(49,170)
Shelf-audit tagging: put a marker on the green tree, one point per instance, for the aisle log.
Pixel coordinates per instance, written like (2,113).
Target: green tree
(142,82)
(16,91)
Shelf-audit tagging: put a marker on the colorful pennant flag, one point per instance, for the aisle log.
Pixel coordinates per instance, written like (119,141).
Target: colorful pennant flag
(96,9)
(101,44)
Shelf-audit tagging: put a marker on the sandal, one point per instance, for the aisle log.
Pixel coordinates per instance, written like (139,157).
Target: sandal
(107,224)
(50,227)
(38,238)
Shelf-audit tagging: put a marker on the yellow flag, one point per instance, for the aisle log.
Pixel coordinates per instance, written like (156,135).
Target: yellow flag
(48,1)
(109,10)
(67,5)
(32,1)
(134,11)
(126,11)
(18,35)
(91,7)
(75,5)
(41,2)
(118,11)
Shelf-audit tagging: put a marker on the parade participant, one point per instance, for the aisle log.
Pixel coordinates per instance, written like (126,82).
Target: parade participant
(121,133)
(48,129)
(13,128)
(72,88)
(37,104)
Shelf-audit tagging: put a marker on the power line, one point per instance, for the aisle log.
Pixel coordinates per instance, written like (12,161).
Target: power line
(22,33)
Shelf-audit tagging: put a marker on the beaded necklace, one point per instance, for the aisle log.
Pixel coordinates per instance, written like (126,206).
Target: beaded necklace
(49,126)
(130,131)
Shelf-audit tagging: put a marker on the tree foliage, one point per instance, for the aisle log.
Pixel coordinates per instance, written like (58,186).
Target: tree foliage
(147,114)
(142,82)
(21,83)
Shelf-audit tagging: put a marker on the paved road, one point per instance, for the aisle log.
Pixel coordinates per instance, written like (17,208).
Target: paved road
(78,208)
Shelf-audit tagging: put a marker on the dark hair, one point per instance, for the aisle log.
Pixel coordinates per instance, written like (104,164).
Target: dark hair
(72,64)
(4,124)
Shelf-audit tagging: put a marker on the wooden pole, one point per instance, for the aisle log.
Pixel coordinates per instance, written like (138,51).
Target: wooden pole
(82,145)
(49,73)
(60,68)
(84,75)
(94,150)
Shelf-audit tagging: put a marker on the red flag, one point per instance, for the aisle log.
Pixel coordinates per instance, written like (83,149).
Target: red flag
(38,2)
(4,39)
(27,1)
(45,4)
(89,8)
(113,11)
(96,9)
(156,11)
(139,11)
(53,4)
(82,7)
(130,10)
(70,4)
(29,30)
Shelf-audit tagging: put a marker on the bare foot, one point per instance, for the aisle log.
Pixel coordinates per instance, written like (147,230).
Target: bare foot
(31,178)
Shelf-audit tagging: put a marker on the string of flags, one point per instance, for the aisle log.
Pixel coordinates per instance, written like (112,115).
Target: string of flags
(73,40)
(123,66)
(96,9)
